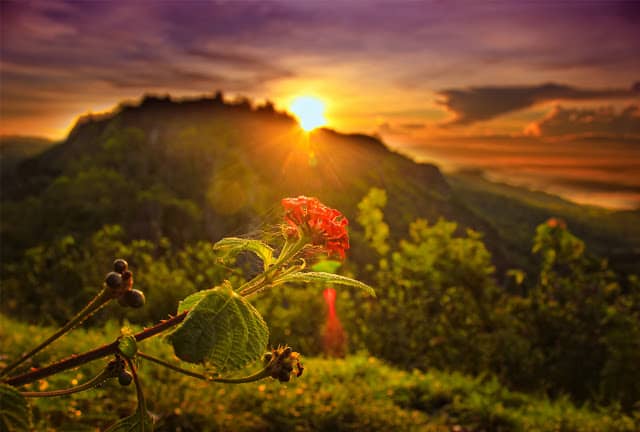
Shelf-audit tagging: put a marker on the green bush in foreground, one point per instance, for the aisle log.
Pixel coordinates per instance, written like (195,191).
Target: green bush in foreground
(356,393)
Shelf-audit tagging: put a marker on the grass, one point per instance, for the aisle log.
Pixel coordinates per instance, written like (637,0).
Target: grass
(352,394)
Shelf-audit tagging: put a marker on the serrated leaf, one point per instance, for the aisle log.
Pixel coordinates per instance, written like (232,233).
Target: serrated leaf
(138,422)
(235,245)
(189,302)
(327,278)
(222,330)
(15,414)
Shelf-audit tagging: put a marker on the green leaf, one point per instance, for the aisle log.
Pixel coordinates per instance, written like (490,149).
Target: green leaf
(222,330)
(326,278)
(327,266)
(235,245)
(15,414)
(127,344)
(138,422)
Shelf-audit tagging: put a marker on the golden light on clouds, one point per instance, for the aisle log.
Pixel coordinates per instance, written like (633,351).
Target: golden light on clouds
(309,111)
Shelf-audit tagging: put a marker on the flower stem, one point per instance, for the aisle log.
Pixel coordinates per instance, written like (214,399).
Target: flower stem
(101,299)
(105,374)
(173,367)
(263,373)
(80,359)
(289,250)
(142,406)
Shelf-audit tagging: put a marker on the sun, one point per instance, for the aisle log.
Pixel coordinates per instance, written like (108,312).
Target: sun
(310,112)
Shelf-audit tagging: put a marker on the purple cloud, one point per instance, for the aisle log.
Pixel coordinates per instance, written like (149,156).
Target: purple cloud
(604,121)
(476,104)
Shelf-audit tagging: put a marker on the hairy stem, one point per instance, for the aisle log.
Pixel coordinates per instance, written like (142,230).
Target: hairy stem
(264,373)
(104,375)
(173,367)
(80,359)
(101,299)
(289,250)
(142,406)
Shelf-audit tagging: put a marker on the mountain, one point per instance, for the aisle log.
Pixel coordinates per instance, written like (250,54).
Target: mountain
(14,149)
(205,168)
(514,212)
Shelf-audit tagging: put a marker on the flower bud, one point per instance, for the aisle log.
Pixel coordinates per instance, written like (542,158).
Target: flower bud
(284,362)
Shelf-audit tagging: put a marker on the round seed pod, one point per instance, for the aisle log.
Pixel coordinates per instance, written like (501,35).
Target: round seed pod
(284,376)
(120,265)
(125,378)
(133,298)
(113,280)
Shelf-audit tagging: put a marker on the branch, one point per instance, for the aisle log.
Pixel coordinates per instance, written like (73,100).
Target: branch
(101,299)
(76,360)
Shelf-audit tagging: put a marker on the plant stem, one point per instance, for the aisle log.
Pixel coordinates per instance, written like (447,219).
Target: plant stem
(289,250)
(263,373)
(105,374)
(80,359)
(102,298)
(142,406)
(173,367)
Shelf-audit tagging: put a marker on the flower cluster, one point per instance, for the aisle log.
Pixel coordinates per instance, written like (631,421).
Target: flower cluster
(282,363)
(326,227)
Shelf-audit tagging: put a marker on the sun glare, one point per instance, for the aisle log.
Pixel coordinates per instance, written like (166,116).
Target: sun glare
(309,112)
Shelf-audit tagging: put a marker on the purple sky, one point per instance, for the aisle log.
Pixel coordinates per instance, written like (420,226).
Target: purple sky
(495,85)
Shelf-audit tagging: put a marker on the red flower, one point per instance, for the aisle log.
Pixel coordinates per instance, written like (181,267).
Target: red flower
(325,226)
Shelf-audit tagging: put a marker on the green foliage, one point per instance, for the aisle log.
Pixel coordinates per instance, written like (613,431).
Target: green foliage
(222,330)
(357,393)
(296,316)
(15,414)
(578,313)
(436,296)
(138,422)
(326,266)
(515,212)
(53,282)
(439,306)
(127,345)
(326,279)
(371,218)
(231,246)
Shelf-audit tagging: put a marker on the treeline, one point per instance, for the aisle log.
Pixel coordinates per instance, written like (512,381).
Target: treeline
(572,328)
(158,183)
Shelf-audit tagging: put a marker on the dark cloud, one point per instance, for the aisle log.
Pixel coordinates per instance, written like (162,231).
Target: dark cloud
(484,103)
(593,185)
(604,121)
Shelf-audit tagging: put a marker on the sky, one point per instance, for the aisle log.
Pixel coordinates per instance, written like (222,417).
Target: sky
(544,94)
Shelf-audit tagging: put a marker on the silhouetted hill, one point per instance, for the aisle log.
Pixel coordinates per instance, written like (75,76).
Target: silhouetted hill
(14,149)
(205,168)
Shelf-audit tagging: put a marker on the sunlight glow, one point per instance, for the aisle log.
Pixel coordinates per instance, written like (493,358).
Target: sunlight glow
(309,112)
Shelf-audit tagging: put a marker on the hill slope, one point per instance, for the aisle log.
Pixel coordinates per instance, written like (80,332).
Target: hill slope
(15,149)
(205,168)
(514,212)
